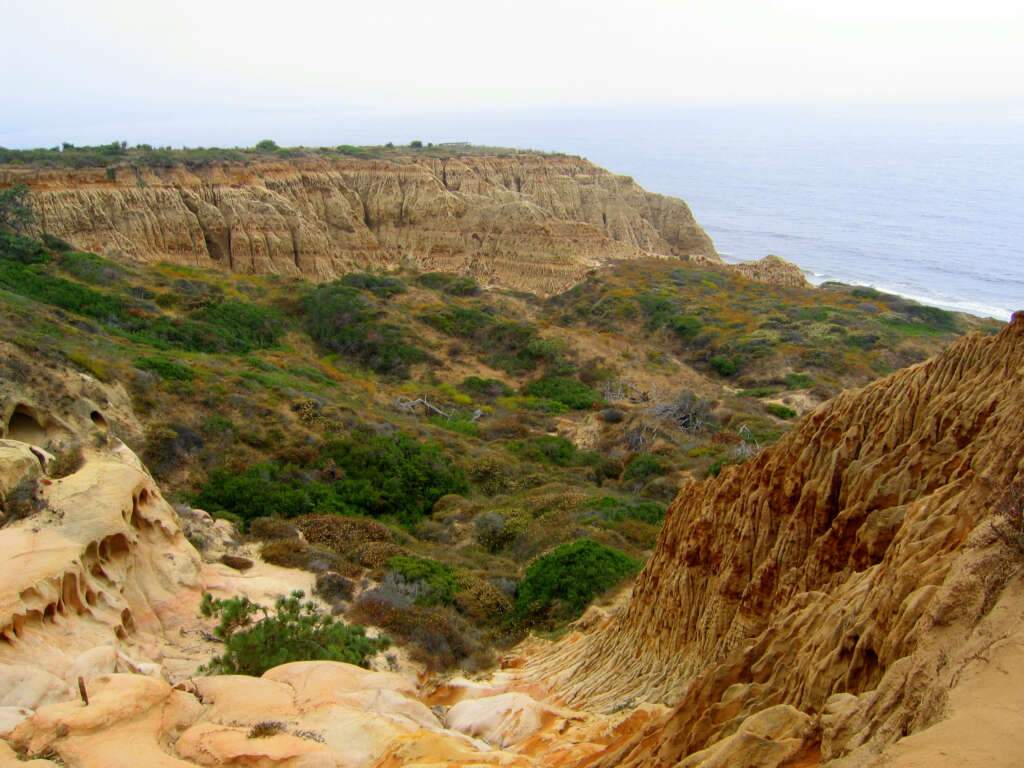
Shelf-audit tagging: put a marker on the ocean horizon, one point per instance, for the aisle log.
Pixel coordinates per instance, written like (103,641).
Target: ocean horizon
(924,203)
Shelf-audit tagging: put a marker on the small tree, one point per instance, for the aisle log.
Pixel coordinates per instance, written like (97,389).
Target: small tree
(296,631)
(267,145)
(15,209)
(417,144)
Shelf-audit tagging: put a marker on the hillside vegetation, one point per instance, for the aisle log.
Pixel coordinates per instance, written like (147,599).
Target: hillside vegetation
(492,461)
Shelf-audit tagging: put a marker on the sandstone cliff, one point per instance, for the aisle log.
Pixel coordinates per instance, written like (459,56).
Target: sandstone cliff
(849,587)
(773,270)
(525,221)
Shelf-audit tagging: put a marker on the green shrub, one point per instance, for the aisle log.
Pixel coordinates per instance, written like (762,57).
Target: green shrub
(256,640)
(341,319)
(798,380)
(437,579)
(55,244)
(34,283)
(266,490)
(453,285)
(570,392)
(780,411)
(242,327)
(24,250)
(511,346)
(934,318)
(719,464)
(267,145)
(611,510)
(169,370)
(459,424)
(382,286)
(382,476)
(725,366)
(393,475)
(547,449)
(643,467)
(685,327)
(15,209)
(90,268)
(559,585)
(489,388)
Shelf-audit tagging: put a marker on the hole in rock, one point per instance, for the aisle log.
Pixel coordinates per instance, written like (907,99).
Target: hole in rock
(23,426)
(98,420)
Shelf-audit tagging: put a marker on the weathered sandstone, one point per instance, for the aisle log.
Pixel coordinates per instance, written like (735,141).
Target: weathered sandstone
(773,270)
(525,221)
(851,579)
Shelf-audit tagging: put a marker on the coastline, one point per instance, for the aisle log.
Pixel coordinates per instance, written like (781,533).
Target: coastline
(952,304)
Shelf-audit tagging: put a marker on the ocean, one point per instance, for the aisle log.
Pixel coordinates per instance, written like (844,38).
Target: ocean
(926,203)
(929,206)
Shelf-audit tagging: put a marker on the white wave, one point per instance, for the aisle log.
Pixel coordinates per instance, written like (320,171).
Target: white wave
(952,304)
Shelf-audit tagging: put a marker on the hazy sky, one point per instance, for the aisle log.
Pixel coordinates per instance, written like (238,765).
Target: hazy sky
(75,68)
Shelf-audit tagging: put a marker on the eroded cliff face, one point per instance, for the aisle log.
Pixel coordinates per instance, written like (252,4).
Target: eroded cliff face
(524,221)
(847,588)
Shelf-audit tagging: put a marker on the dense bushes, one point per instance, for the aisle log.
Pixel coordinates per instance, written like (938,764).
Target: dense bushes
(488,388)
(31,281)
(436,580)
(15,209)
(382,286)
(342,320)
(165,368)
(725,365)
(393,476)
(228,326)
(562,389)
(550,449)
(453,285)
(90,268)
(23,250)
(265,490)
(559,585)
(295,631)
(609,509)
(511,346)
(240,326)
(642,468)
(780,411)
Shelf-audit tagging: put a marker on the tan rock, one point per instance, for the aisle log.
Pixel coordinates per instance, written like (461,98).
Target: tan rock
(852,569)
(501,721)
(773,270)
(535,222)
(221,745)
(24,685)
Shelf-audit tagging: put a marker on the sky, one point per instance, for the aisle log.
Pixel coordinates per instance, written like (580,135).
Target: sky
(79,71)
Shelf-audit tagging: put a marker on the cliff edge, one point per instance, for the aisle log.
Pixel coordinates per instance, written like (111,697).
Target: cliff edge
(524,221)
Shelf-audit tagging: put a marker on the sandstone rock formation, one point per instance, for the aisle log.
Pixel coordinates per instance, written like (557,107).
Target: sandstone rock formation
(855,584)
(525,221)
(100,592)
(773,270)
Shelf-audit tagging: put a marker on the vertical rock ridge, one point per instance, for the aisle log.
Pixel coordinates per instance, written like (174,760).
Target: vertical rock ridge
(523,221)
(850,569)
